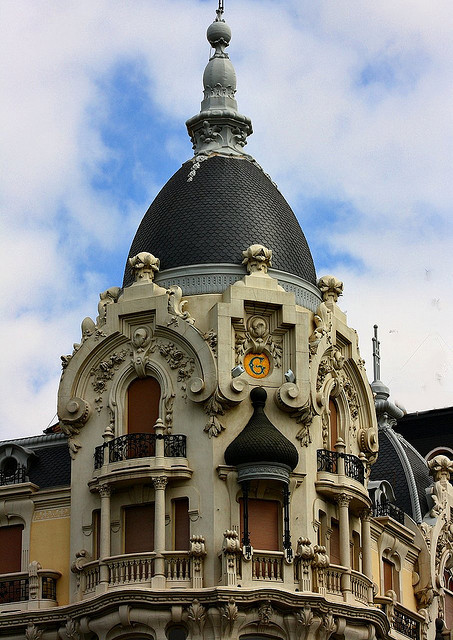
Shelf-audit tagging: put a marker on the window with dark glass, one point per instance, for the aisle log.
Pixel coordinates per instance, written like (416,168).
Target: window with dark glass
(11,548)
(143,397)
(181,524)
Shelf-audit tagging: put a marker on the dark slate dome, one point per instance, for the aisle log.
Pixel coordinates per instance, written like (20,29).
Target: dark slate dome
(260,441)
(215,207)
(406,470)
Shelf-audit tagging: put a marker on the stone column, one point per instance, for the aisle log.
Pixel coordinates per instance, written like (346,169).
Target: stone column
(366,550)
(345,559)
(104,551)
(159,530)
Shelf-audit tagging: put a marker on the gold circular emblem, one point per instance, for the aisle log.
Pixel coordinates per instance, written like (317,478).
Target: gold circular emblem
(257,365)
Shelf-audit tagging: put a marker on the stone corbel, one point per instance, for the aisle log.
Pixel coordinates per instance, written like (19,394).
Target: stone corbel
(73,414)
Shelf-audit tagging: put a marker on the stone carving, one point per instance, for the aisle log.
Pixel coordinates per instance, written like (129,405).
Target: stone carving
(320,563)
(196,615)
(168,404)
(440,468)
(70,630)
(257,258)
(305,554)
(109,296)
(32,632)
(390,608)
(425,597)
(257,338)
(33,580)
(197,546)
(331,288)
(88,329)
(143,343)
(211,338)
(323,326)
(72,417)
(197,552)
(328,626)
(177,360)
(160,482)
(265,613)
(231,548)
(304,417)
(106,370)
(215,406)
(143,266)
(304,620)
(176,304)
(229,614)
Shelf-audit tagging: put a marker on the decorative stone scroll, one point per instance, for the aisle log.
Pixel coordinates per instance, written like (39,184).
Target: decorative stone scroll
(143,343)
(215,406)
(176,305)
(258,339)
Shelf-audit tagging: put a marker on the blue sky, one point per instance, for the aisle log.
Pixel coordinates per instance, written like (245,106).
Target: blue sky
(351,104)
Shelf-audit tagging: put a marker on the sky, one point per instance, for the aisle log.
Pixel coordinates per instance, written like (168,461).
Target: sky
(351,106)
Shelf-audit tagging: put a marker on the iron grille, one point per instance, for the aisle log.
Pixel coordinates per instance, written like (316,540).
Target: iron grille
(139,445)
(49,588)
(406,625)
(353,467)
(20,475)
(13,590)
(387,509)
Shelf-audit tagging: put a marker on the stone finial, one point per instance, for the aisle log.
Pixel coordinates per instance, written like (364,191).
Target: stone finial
(143,266)
(331,288)
(440,468)
(257,258)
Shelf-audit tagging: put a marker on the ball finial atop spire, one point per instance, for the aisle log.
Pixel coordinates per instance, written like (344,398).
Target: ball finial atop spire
(219,33)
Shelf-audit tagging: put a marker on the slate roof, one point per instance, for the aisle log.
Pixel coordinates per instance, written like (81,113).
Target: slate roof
(212,216)
(394,450)
(51,467)
(260,441)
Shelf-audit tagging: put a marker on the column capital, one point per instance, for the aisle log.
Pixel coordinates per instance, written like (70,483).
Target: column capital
(160,482)
(343,500)
(105,490)
(365,515)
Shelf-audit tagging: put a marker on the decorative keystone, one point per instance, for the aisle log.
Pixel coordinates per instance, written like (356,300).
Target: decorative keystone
(143,266)
(257,258)
(331,288)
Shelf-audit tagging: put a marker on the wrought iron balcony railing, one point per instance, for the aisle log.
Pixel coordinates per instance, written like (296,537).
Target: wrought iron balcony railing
(388,510)
(353,466)
(406,625)
(139,445)
(18,476)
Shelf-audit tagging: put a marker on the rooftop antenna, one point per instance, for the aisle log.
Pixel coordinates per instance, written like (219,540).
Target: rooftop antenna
(376,355)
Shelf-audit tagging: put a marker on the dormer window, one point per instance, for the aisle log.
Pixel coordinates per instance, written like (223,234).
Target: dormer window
(14,462)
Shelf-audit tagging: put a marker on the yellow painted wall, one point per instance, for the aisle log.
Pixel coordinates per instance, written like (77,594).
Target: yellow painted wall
(49,545)
(375,566)
(407,590)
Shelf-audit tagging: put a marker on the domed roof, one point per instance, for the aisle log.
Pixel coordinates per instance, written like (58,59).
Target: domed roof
(406,470)
(212,209)
(260,441)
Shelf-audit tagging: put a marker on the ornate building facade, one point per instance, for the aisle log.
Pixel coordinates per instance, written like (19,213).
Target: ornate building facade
(222,479)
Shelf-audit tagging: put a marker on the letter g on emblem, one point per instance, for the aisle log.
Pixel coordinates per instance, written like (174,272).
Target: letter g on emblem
(257,365)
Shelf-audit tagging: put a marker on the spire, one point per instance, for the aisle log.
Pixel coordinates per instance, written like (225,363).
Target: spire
(219,127)
(376,355)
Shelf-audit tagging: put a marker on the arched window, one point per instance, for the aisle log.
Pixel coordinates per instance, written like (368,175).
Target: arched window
(143,398)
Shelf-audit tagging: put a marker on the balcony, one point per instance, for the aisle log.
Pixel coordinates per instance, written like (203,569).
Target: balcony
(31,591)
(340,472)
(403,621)
(139,445)
(138,570)
(137,456)
(388,510)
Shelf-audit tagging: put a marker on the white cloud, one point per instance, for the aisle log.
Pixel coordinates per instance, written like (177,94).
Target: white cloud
(350,102)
